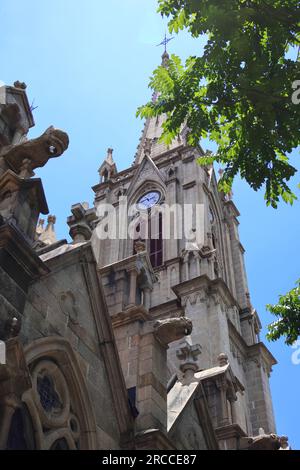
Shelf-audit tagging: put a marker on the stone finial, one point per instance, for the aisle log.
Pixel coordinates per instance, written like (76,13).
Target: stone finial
(165,59)
(85,205)
(109,157)
(20,85)
(188,355)
(48,236)
(223,360)
(52,219)
(148,147)
(184,135)
(40,227)
(81,222)
(108,167)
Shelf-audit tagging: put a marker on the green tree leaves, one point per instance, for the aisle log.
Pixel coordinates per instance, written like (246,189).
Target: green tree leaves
(287,312)
(238,93)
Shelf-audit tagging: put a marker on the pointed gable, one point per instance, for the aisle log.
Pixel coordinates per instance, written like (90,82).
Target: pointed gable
(147,172)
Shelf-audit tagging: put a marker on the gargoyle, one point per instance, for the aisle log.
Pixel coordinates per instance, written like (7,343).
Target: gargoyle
(261,442)
(207,252)
(172,329)
(38,151)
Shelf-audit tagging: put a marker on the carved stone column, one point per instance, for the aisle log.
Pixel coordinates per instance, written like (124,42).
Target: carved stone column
(233,411)
(222,386)
(152,370)
(132,286)
(147,297)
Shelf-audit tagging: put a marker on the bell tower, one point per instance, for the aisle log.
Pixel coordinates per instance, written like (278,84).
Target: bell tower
(199,273)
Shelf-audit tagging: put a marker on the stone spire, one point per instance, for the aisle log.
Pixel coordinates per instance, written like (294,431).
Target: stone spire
(153,128)
(108,167)
(165,59)
(48,236)
(40,227)
(109,158)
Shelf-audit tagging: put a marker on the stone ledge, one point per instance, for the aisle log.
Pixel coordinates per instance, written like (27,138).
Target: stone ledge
(130,315)
(153,439)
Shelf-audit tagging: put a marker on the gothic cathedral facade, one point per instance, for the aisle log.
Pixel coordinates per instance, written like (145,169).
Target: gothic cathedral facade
(111,341)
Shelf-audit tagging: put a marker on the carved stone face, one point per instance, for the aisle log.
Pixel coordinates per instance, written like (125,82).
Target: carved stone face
(51,144)
(57,141)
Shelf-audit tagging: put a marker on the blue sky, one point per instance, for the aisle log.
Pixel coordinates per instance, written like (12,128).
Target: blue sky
(87,66)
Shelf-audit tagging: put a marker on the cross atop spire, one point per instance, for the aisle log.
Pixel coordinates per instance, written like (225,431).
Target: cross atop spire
(165,42)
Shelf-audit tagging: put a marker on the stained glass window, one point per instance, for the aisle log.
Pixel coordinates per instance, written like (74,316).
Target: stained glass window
(48,396)
(61,444)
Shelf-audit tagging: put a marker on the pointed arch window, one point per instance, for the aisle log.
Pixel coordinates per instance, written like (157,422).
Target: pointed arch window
(105,175)
(149,228)
(154,243)
(156,240)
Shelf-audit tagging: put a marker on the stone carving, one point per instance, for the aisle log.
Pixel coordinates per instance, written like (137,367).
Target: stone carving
(188,355)
(81,222)
(261,442)
(185,134)
(38,151)
(171,171)
(147,147)
(139,246)
(172,329)
(108,167)
(48,236)
(58,400)
(195,298)
(284,443)
(20,85)
(223,360)
(12,328)
(206,252)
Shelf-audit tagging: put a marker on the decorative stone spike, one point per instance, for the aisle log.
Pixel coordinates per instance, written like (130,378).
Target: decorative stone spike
(81,222)
(48,236)
(20,85)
